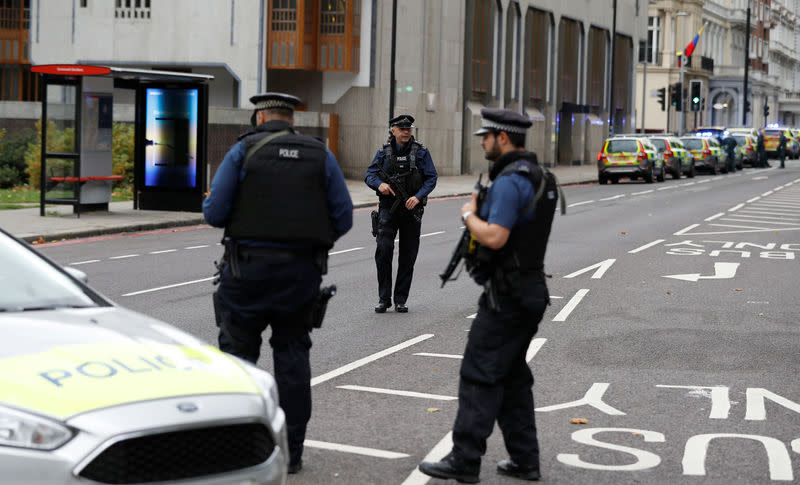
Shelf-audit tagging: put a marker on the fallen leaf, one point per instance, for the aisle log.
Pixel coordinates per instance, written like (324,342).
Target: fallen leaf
(669,293)
(738,289)
(433,410)
(579,421)
(40,240)
(623,233)
(636,434)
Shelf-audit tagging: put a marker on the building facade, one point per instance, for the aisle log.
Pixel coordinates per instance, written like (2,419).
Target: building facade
(564,64)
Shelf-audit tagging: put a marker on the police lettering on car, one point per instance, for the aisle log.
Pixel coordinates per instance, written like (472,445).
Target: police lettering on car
(511,227)
(283,201)
(402,174)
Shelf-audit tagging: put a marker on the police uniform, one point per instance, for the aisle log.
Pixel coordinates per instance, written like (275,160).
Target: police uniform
(412,167)
(730,149)
(782,149)
(274,256)
(495,380)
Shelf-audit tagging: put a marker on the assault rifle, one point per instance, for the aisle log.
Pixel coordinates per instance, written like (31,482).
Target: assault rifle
(400,194)
(466,244)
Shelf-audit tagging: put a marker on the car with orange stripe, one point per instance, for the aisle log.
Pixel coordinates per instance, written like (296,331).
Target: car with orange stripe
(629,156)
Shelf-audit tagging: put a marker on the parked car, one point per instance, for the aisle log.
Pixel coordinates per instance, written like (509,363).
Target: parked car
(772,138)
(718,132)
(706,152)
(629,156)
(746,145)
(677,160)
(93,393)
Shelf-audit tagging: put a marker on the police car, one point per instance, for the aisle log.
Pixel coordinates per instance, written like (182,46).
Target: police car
(92,393)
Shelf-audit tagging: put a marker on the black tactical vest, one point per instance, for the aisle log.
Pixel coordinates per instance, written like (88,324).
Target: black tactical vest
(405,164)
(282,197)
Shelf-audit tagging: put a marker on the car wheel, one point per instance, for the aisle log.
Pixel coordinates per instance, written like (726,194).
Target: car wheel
(602,179)
(648,176)
(692,173)
(614,180)
(660,176)
(676,174)
(714,168)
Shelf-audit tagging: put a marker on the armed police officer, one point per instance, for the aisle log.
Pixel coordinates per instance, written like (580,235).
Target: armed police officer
(511,228)
(282,200)
(402,173)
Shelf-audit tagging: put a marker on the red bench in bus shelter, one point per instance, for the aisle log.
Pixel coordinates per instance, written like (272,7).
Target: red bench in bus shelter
(86,179)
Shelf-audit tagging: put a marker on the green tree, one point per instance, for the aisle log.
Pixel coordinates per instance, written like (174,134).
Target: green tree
(58,141)
(12,157)
(122,153)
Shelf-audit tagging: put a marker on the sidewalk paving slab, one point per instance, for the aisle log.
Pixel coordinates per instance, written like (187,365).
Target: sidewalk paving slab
(60,223)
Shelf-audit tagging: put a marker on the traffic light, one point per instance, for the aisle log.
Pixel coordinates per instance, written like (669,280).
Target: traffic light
(675,92)
(746,105)
(766,110)
(695,89)
(661,98)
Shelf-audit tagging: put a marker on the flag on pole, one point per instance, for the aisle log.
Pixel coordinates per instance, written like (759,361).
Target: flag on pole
(690,47)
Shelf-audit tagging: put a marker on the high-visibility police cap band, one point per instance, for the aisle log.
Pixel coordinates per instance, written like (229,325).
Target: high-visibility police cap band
(274,101)
(490,126)
(73,379)
(402,121)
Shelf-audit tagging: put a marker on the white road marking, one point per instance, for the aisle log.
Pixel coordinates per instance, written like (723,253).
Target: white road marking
(612,198)
(167,287)
(432,233)
(602,267)
(642,192)
(774,212)
(722,271)
(163,251)
(581,203)
(715,216)
(735,208)
(378,390)
(761,228)
(759,216)
(668,187)
(444,356)
(753,199)
(85,262)
(473,315)
(646,246)
(344,251)
(759,178)
(571,304)
(689,184)
(686,229)
(534,347)
(437,453)
(704,181)
(124,256)
(757,220)
(357,450)
(769,192)
(197,247)
(366,360)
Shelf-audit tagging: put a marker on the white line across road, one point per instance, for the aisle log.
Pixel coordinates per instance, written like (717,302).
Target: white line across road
(163,251)
(715,216)
(576,204)
(168,287)
(613,197)
(85,262)
(686,229)
(357,450)
(370,358)
(642,192)
(432,234)
(395,392)
(646,246)
(571,304)
(344,251)
(443,356)
(124,256)
(735,208)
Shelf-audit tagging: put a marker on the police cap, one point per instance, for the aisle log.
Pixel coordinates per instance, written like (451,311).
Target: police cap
(402,121)
(498,119)
(275,101)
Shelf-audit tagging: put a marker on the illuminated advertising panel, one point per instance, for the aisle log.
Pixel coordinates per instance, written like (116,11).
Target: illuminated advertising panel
(171,137)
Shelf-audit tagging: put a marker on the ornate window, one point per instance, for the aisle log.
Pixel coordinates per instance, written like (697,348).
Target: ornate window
(132,9)
(17,83)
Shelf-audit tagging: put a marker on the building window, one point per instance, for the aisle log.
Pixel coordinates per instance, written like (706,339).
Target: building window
(17,82)
(598,48)
(132,9)
(570,49)
(284,15)
(512,54)
(84,3)
(649,50)
(537,34)
(483,47)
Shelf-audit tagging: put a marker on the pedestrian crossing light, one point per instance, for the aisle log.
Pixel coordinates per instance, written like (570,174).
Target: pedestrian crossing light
(662,93)
(695,90)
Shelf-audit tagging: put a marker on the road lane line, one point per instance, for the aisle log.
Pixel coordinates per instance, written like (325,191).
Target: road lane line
(685,229)
(688,185)
(571,304)
(576,204)
(196,247)
(356,450)
(735,208)
(124,256)
(646,246)
(432,233)
(704,181)
(394,392)
(344,251)
(163,251)
(760,217)
(437,453)
(168,287)
(760,228)
(753,199)
(769,192)
(444,356)
(366,360)
(612,198)
(534,347)
(642,192)
(715,216)
(668,187)
(758,220)
(85,262)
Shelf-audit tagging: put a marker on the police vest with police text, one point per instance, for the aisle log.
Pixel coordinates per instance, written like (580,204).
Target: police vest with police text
(282,196)
(406,165)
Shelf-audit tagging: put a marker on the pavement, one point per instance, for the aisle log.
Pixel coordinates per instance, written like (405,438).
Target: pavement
(60,223)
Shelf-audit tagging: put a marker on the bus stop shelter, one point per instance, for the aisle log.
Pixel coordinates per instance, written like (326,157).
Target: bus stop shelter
(170,137)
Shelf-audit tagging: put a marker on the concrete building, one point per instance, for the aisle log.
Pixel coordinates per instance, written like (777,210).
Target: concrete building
(550,59)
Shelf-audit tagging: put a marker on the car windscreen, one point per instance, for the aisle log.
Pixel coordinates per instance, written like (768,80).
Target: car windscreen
(692,143)
(772,132)
(659,143)
(741,140)
(28,282)
(620,146)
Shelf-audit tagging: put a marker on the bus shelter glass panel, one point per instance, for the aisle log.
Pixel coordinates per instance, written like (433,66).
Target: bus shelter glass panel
(61,120)
(60,180)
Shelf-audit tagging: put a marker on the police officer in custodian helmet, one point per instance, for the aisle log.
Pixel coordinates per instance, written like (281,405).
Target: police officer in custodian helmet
(282,200)
(512,228)
(402,174)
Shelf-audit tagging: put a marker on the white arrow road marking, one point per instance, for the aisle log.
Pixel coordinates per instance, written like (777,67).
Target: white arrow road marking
(395,392)
(721,271)
(358,450)
(646,246)
(602,267)
(571,304)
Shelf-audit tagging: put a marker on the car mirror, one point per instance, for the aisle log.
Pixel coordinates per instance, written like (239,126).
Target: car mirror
(77,274)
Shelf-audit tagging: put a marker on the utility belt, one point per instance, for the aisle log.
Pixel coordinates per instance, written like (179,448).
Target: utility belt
(236,253)
(525,287)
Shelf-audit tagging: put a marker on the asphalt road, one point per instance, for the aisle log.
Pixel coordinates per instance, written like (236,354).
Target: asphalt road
(673,331)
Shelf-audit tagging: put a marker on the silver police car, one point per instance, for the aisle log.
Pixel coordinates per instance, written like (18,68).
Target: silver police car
(91,393)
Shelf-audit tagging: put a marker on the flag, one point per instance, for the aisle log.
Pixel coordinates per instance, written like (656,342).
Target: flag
(690,47)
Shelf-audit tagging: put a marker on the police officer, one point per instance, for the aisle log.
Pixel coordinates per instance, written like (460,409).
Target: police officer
(404,162)
(282,200)
(730,149)
(761,150)
(782,149)
(512,228)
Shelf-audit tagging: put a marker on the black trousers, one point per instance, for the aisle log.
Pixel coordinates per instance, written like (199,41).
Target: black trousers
(276,292)
(403,222)
(496,382)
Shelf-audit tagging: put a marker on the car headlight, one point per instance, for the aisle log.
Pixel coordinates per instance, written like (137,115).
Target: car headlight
(25,430)
(266,384)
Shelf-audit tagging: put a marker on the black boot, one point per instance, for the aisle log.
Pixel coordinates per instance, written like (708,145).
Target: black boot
(511,469)
(451,467)
(382,306)
(400,308)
